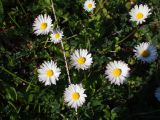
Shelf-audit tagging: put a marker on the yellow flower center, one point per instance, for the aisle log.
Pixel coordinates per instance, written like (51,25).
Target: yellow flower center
(43,26)
(57,35)
(50,73)
(139,15)
(89,5)
(81,60)
(75,96)
(117,72)
(145,53)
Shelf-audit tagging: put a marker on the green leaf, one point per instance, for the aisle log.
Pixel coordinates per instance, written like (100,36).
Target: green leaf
(11,93)
(44,2)
(107,113)
(96,103)
(9,102)
(113,115)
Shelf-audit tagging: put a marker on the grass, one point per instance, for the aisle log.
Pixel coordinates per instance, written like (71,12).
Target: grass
(106,32)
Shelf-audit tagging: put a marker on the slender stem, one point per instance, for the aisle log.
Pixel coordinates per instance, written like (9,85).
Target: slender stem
(71,36)
(100,7)
(54,13)
(129,35)
(46,42)
(22,7)
(14,20)
(77,115)
(64,54)
(14,75)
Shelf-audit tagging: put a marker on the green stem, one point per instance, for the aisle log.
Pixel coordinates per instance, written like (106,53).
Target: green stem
(46,42)
(22,7)
(62,45)
(54,13)
(15,76)
(71,36)
(135,29)
(100,7)
(13,20)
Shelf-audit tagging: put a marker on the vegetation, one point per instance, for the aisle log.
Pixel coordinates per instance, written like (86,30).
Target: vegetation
(107,33)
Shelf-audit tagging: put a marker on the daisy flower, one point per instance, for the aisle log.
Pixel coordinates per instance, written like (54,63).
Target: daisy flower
(145,52)
(74,95)
(42,25)
(89,5)
(81,59)
(139,13)
(48,73)
(117,72)
(157,93)
(56,36)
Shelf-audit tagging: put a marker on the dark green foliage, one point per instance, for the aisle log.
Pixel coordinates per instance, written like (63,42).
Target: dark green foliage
(107,33)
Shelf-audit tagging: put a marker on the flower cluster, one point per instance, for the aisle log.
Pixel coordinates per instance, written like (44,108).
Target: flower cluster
(116,72)
(43,26)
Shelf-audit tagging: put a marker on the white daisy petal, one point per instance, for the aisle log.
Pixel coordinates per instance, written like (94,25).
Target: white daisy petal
(81,59)
(146,52)
(48,73)
(139,13)
(42,25)
(74,96)
(157,93)
(89,5)
(117,72)
(56,36)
